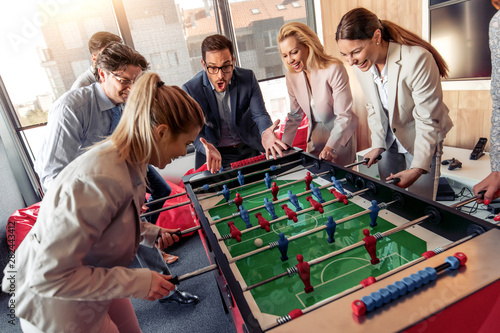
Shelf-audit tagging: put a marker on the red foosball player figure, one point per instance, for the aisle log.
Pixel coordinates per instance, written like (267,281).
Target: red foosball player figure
(264,224)
(340,196)
(308,180)
(371,246)
(235,233)
(274,190)
(316,205)
(290,213)
(238,201)
(304,273)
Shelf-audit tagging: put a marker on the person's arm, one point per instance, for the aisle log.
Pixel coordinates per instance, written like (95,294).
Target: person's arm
(491,184)
(342,108)
(294,117)
(61,143)
(81,213)
(197,143)
(427,95)
(202,145)
(272,145)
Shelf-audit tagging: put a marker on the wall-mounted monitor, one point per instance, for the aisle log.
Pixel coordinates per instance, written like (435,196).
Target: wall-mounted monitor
(459,31)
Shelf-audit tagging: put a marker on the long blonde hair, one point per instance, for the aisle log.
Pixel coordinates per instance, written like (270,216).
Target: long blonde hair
(360,23)
(150,104)
(318,58)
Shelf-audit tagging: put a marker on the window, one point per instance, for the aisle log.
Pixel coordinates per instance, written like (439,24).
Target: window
(270,39)
(80,66)
(172,58)
(70,35)
(45,48)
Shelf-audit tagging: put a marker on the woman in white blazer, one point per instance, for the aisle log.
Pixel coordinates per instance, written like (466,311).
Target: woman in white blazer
(318,85)
(71,269)
(399,73)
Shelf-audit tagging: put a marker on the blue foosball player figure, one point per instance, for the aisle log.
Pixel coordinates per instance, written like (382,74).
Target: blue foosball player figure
(283,246)
(270,208)
(338,185)
(294,200)
(245,217)
(226,192)
(317,193)
(331,225)
(241,178)
(268,180)
(375,208)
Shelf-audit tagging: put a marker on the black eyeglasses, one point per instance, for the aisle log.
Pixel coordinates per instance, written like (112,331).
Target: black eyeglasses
(215,70)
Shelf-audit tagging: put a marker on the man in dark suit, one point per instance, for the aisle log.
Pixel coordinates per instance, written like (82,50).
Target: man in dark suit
(237,123)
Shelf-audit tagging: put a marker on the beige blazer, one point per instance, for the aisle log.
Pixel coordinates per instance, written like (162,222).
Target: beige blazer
(333,102)
(417,114)
(74,260)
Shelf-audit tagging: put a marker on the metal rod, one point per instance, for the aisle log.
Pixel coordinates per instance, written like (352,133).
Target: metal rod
(348,248)
(166,208)
(274,203)
(279,166)
(200,271)
(165,198)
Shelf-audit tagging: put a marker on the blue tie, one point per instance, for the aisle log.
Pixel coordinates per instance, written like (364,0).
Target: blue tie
(115,119)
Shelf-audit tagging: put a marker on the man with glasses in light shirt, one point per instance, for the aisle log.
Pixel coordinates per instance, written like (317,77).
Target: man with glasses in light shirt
(237,123)
(84,116)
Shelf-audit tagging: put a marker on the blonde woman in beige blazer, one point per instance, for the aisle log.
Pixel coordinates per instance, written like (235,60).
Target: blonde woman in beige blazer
(318,85)
(400,77)
(71,270)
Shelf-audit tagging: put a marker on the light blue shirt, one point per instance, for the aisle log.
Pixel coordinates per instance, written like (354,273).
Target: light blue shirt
(494,39)
(77,120)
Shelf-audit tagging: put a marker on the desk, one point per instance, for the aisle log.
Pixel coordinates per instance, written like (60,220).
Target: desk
(471,173)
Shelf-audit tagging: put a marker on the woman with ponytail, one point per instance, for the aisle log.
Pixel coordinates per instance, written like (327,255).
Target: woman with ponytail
(72,268)
(400,74)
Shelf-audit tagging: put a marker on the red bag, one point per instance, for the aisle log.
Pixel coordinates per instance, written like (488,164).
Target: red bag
(301,137)
(20,223)
(181,217)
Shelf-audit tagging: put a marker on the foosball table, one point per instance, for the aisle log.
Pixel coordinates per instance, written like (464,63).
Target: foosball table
(301,244)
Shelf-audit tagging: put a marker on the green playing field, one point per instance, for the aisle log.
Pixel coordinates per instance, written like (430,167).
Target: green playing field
(329,277)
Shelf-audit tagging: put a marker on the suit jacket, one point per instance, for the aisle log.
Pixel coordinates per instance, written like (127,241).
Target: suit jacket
(417,114)
(74,260)
(332,99)
(248,111)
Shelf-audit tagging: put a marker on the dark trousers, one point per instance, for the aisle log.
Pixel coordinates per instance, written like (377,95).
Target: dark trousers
(158,188)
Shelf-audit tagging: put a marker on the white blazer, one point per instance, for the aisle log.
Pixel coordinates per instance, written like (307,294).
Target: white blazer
(332,100)
(417,114)
(74,260)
